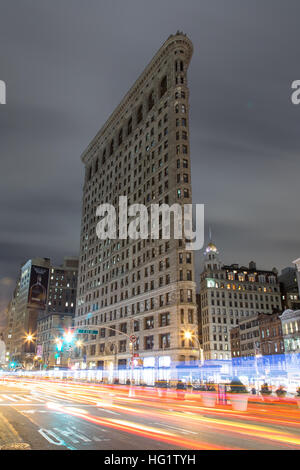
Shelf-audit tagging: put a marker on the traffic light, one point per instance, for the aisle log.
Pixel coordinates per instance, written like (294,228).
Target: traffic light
(68,336)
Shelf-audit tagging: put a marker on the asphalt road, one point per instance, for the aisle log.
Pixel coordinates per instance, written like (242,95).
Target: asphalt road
(36,414)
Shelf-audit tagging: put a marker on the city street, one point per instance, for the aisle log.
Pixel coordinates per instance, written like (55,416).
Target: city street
(39,414)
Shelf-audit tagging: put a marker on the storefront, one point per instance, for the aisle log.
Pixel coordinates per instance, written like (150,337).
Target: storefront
(164,368)
(148,372)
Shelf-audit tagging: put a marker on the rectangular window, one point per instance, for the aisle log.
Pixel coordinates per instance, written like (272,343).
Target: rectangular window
(165,341)
(149,323)
(165,319)
(149,342)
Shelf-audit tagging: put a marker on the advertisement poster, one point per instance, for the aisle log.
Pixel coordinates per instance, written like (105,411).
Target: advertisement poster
(38,287)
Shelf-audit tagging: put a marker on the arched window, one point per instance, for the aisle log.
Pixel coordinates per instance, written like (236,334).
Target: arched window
(89,173)
(151,100)
(120,137)
(111,150)
(176,109)
(163,86)
(181,66)
(129,127)
(104,157)
(140,113)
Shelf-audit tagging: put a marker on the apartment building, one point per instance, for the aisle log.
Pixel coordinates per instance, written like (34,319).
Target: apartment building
(229,294)
(57,318)
(289,288)
(10,319)
(29,302)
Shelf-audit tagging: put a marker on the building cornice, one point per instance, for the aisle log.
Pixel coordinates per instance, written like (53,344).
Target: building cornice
(174,41)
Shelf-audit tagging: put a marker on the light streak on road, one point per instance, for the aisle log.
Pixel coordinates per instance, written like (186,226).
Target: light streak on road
(144,431)
(261,423)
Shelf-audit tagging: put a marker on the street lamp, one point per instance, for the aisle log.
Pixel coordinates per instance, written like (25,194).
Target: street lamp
(68,338)
(191,336)
(114,348)
(29,340)
(131,392)
(258,355)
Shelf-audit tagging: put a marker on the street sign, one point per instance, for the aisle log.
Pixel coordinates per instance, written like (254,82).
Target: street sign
(133,338)
(88,332)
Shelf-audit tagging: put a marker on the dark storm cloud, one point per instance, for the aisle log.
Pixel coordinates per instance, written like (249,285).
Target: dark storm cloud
(68,64)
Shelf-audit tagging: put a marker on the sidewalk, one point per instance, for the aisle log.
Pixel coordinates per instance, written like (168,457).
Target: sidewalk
(9,438)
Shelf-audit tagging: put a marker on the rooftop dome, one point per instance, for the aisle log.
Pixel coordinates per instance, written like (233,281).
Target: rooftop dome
(211,247)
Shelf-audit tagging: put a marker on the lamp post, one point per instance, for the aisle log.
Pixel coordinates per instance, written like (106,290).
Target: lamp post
(257,356)
(59,343)
(79,344)
(131,348)
(68,337)
(269,368)
(29,339)
(191,336)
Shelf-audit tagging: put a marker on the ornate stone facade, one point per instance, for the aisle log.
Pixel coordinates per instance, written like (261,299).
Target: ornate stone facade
(142,287)
(229,295)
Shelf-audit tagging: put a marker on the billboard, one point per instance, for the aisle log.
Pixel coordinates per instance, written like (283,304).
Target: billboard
(39,350)
(38,286)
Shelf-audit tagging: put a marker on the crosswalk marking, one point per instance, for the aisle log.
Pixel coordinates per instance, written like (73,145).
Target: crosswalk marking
(38,399)
(21,398)
(18,397)
(26,399)
(9,398)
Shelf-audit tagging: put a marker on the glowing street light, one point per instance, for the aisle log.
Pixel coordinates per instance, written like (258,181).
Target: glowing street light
(69,336)
(191,336)
(29,337)
(187,335)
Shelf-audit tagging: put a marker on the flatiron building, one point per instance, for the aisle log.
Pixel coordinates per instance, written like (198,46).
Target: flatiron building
(144,288)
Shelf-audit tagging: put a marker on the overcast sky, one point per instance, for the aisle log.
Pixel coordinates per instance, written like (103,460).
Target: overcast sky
(67,64)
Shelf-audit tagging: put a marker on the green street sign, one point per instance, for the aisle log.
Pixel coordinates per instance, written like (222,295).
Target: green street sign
(88,332)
